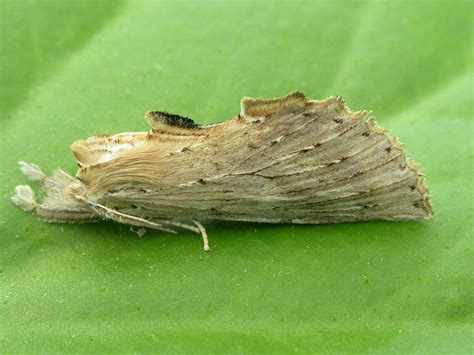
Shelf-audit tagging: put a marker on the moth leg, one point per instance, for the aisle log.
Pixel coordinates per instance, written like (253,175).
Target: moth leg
(179,225)
(120,217)
(199,230)
(204,234)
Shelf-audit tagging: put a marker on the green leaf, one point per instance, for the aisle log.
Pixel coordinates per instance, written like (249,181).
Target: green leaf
(74,69)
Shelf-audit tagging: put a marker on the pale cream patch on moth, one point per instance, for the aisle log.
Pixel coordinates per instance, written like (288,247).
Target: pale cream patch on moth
(31,171)
(24,197)
(286,160)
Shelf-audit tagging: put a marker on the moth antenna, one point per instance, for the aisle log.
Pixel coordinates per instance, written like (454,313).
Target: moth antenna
(204,234)
(31,171)
(24,197)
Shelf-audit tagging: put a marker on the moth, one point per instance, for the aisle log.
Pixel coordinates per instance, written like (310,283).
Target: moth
(285,160)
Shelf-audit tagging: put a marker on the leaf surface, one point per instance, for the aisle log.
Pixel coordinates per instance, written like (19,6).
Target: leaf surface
(76,69)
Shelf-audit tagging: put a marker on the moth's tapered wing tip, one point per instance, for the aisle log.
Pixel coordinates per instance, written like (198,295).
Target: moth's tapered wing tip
(422,188)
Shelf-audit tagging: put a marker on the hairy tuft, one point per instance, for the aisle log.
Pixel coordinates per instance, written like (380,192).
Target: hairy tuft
(32,171)
(24,197)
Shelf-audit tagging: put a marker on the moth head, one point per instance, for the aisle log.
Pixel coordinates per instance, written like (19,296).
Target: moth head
(64,199)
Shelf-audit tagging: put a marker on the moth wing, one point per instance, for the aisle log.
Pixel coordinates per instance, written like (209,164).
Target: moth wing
(283,160)
(301,161)
(339,165)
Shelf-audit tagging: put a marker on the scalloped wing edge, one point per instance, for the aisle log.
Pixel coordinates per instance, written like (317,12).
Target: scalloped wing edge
(253,109)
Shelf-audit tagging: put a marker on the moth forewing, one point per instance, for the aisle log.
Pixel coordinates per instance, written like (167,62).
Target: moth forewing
(287,160)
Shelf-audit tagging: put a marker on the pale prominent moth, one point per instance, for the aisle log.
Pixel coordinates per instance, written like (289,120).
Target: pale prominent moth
(286,160)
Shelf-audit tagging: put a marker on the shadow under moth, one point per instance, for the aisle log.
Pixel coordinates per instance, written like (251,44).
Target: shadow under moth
(286,160)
